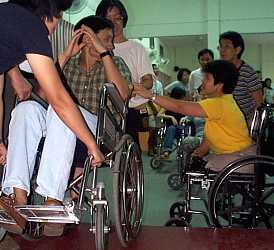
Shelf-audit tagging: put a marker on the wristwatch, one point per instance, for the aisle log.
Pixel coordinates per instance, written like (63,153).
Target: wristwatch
(152,98)
(106,53)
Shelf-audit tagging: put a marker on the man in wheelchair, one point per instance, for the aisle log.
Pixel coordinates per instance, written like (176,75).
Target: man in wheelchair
(30,121)
(226,133)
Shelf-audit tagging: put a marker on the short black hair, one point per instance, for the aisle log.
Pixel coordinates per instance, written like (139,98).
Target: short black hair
(236,39)
(205,51)
(105,5)
(45,9)
(181,72)
(224,72)
(177,93)
(96,23)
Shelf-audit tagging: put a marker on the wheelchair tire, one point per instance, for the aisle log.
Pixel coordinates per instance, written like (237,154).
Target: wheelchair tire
(128,191)
(3,233)
(177,222)
(174,181)
(178,209)
(220,211)
(100,221)
(155,162)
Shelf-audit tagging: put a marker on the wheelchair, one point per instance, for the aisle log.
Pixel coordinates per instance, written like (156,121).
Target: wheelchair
(239,195)
(123,158)
(187,128)
(186,144)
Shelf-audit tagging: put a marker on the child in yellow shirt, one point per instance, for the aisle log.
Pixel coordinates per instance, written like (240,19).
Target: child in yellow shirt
(226,132)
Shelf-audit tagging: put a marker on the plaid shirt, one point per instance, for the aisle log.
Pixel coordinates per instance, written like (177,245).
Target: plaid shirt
(85,86)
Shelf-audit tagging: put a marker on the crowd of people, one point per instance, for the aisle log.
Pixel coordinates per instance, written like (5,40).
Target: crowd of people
(222,93)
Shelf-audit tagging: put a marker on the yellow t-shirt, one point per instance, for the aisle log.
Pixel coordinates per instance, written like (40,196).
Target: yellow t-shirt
(225,127)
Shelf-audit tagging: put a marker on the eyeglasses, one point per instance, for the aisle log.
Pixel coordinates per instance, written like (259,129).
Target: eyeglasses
(224,47)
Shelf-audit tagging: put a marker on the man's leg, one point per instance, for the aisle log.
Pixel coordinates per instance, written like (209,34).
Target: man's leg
(169,138)
(57,155)
(27,126)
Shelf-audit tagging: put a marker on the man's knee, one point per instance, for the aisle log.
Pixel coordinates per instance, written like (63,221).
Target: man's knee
(27,109)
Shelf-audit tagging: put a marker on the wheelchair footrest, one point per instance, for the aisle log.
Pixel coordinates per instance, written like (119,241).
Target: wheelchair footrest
(40,213)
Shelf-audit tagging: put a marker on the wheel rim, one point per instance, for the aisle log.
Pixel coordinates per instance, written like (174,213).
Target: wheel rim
(132,191)
(242,209)
(155,162)
(178,209)
(174,181)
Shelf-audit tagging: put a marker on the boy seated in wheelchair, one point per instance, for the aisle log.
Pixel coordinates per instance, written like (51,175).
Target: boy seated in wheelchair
(172,121)
(30,121)
(226,133)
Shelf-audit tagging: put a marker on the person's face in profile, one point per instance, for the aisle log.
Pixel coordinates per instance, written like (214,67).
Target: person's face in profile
(52,24)
(208,88)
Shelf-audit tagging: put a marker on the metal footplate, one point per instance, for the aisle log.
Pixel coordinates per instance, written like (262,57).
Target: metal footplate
(41,213)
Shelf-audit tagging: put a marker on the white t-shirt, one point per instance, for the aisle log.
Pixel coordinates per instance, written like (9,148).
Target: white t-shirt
(195,80)
(137,60)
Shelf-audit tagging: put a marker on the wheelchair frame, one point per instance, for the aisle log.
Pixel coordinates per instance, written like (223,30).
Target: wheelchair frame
(180,212)
(124,158)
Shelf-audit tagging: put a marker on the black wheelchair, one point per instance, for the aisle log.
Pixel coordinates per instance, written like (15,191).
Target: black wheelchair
(123,158)
(241,194)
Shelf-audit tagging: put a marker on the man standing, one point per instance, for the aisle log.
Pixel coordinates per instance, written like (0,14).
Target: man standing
(136,58)
(248,90)
(196,76)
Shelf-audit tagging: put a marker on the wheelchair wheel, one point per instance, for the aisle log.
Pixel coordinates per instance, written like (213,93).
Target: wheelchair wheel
(174,181)
(128,185)
(177,209)
(155,162)
(177,222)
(240,199)
(2,233)
(100,221)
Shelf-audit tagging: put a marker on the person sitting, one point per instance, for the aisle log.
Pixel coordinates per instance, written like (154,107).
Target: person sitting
(172,120)
(182,81)
(226,133)
(30,121)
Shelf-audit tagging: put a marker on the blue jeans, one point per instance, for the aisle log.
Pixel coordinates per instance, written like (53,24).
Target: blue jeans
(29,123)
(173,132)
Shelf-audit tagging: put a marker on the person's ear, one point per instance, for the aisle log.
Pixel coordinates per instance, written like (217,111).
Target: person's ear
(238,50)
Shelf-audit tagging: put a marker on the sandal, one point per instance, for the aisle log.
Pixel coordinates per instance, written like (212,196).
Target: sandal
(14,222)
(53,229)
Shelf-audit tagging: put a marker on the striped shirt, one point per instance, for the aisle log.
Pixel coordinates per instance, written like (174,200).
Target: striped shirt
(85,86)
(248,82)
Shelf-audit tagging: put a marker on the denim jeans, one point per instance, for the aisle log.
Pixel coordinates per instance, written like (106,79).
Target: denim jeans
(172,133)
(29,123)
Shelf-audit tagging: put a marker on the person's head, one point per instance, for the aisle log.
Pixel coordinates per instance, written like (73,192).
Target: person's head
(102,27)
(231,46)
(205,56)
(220,76)
(177,93)
(50,11)
(183,75)
(114,11)
(268,82)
